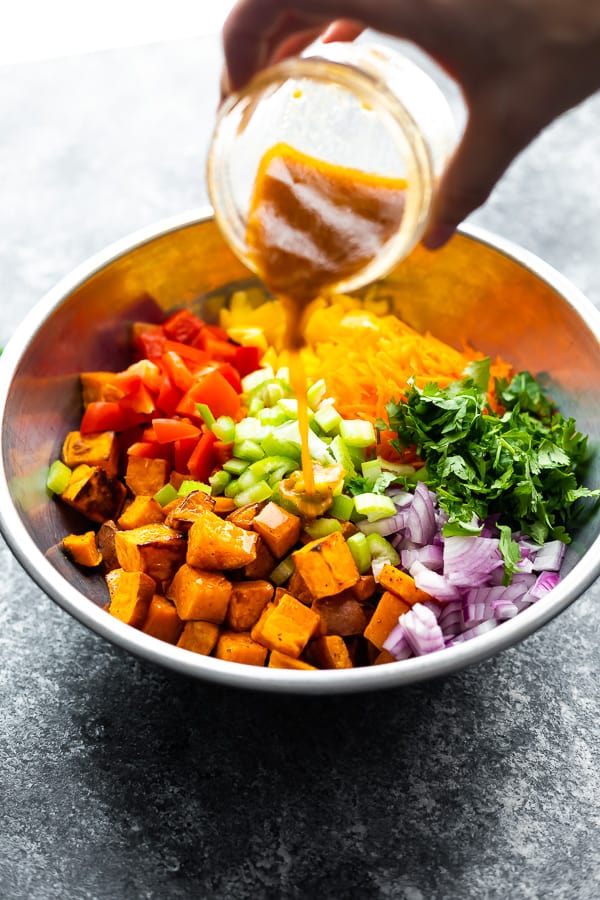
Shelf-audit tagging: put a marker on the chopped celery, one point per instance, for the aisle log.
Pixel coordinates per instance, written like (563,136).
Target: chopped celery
(274,446)
(254,494)
(236,466)
(255,378)
(357,433)
(276,391)
(218,482)
(232,488)
(224,429)
(166,494)
(342,507)
(290,406)
(321,527)
(255,405)
(271,416)
(248,449)
(207,416)
(342,456)
(270,464)
(283,372)
(283,571)
(290,432)
(315,393)
(250,429)
(186,487)
(358,546)
(382,549)
(58,477)
(328,418)
(371,469)
(374,506)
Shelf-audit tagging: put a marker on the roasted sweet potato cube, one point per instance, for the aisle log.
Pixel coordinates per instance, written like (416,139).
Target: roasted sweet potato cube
(329,652)
(386,615)
(393,579)
(286,626)
(130,596)
(97,386)
(224,506)
(279,660)
(240,648)
(342,614)
(215,543)
(263,565)
(296,586)
(199,594)
(244,516)
(105,541)
(200,637)
(141,511)
(100,448)
(155,549)
(183,515)
(248,599)
(162,621)
(82,549)
(382,658)
(146,476)
(364,588)
(326,565)
(279,528)
(93,493)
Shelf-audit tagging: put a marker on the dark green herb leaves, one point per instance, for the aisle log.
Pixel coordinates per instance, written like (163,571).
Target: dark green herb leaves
(522,465)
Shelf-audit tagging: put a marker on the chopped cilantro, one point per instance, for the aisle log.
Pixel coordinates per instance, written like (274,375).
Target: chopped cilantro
(522,464)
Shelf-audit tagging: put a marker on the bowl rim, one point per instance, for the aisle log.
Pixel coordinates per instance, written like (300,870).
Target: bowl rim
(434,665)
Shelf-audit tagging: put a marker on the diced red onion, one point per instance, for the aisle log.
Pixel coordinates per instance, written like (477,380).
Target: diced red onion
(549,557)
(468,561)
(377,565)
(384,527)
(401,499)
(422,630)
(397,644)
(544,583)
(420,518)
(433,583)
(435,608)
(483,628)
(431,556)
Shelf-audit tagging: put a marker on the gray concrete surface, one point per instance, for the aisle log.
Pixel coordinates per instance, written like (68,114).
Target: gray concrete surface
(120,780)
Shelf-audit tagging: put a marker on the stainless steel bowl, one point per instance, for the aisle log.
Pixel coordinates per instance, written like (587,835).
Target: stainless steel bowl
(479,289)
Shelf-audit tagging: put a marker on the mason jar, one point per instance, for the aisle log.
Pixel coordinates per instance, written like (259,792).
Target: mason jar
(354,105)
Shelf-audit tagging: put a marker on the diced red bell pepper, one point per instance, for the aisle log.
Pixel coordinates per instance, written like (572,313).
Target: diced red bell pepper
(188,354)
(182,450)
(203,459)
(149,343)
(177,370)
(247,359)
(183,326)
(140,401)
(231,375)
(108,416)
(216,392)
(169,430)
(150,450)
(149,372)
(223,451)
(168,397)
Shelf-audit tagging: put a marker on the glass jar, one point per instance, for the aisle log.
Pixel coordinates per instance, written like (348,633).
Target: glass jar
(354,105)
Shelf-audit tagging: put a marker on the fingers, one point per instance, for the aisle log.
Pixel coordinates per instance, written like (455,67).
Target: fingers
(342,30)
(488,147)
(256,30)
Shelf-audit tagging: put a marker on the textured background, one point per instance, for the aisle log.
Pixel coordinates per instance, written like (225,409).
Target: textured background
(120,780)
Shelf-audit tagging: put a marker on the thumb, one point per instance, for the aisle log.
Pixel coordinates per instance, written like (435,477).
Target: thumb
(485,151)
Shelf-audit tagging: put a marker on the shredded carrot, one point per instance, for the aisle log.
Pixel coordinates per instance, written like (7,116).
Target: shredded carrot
(367,360)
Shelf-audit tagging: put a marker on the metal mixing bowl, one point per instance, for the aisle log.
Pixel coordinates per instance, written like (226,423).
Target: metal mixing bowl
(479,289)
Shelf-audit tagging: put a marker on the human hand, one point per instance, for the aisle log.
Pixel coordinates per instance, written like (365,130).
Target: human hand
(520,64)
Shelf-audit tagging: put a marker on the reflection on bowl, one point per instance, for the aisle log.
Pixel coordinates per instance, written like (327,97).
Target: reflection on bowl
(479,290)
